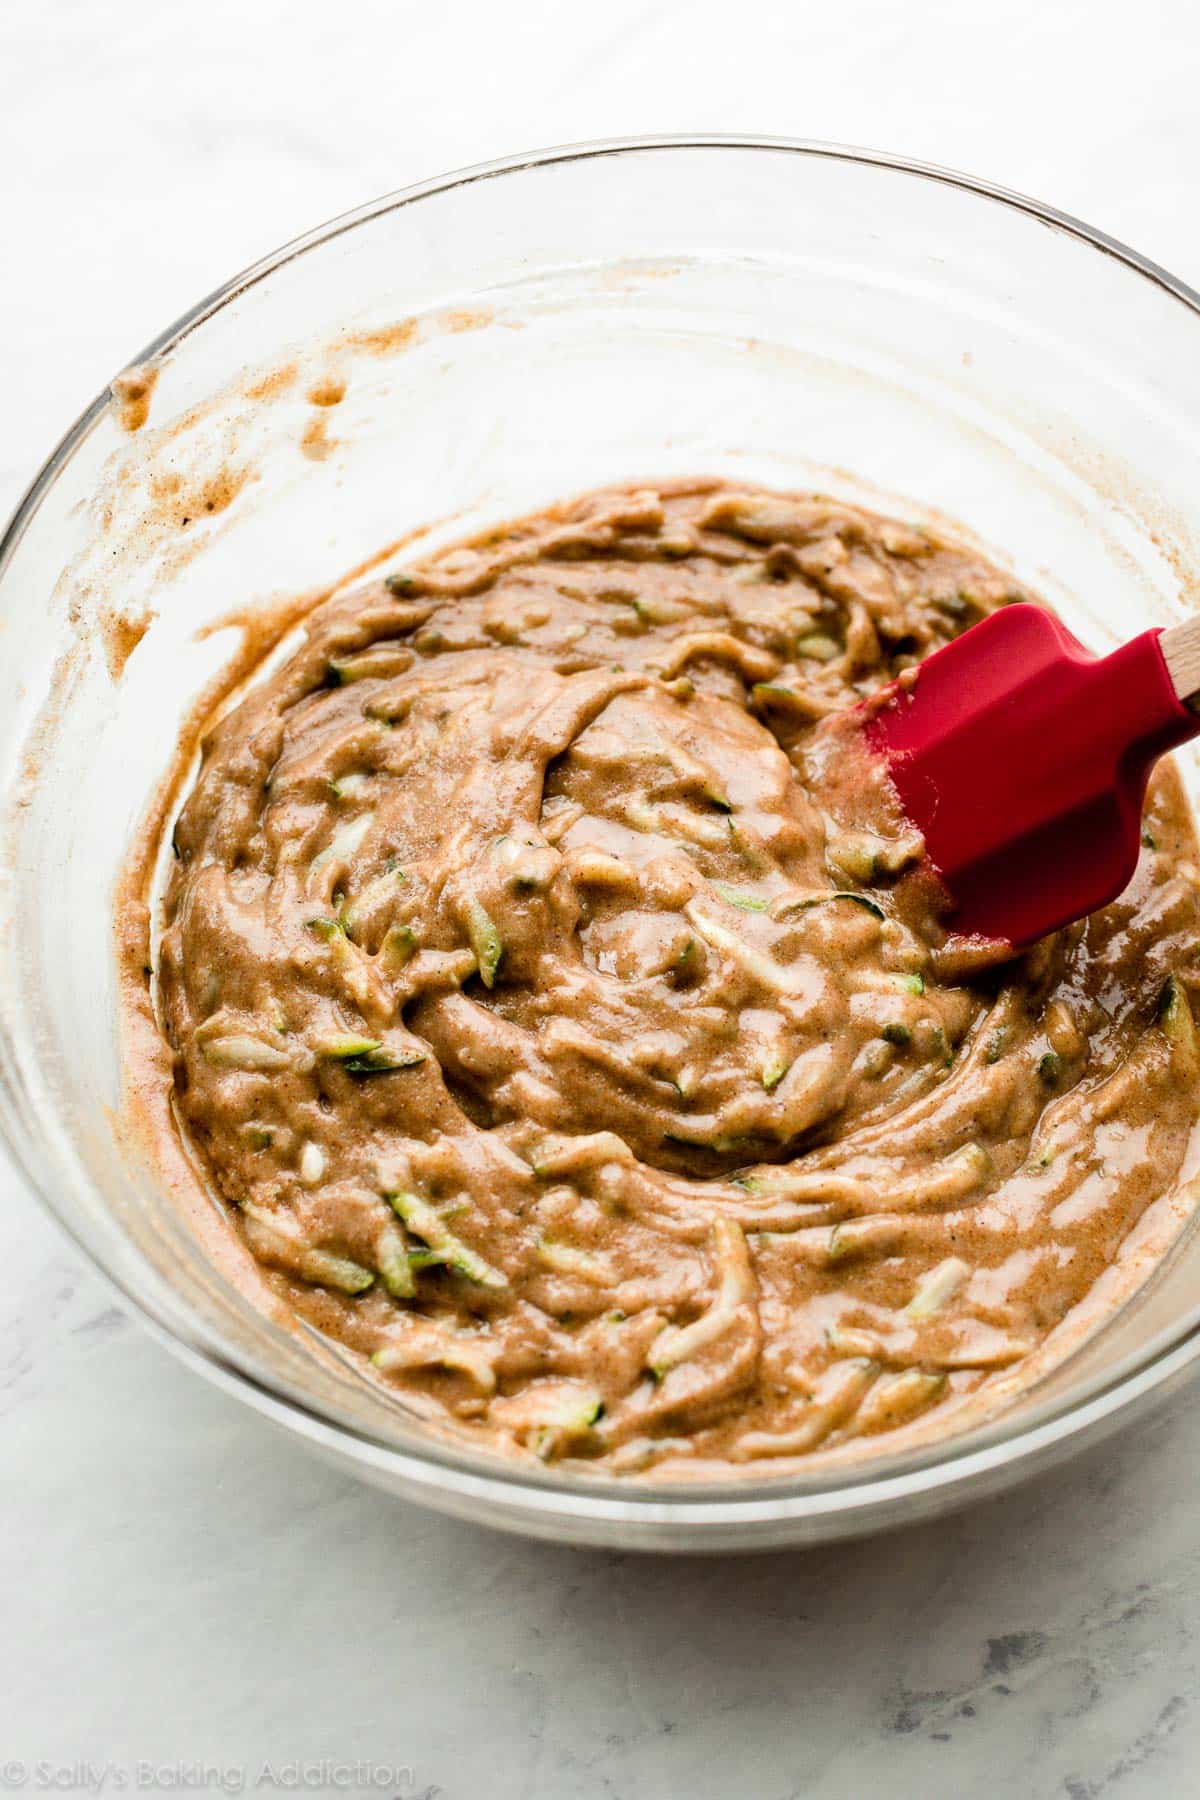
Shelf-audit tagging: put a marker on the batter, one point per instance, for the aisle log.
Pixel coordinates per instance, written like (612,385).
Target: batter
(569,1025)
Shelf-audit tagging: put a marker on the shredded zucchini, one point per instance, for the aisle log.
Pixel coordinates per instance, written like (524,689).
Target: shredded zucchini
(380,662)
(855,854)
(341,1047)
(272,1236)
(484,939)
(384,1061)
(241,1051)
(773,1072)
(739,897)
(529,864)
(1175,1016)
(312,1164)
(896,1398)
(735,1290)
(569,1155)
(349,787)
(818,647)
(597,868)
(380,888)
(781,908)
(421,1343)
(367,1056)
(682,825)
(397,949)
(756,963)
(772,695)
(937,1287)
(394,1263)
(428,1224)
(329,863)
(566,1259)
(550,1415)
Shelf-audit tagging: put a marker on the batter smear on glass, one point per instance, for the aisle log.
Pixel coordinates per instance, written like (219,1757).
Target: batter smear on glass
(567,1021)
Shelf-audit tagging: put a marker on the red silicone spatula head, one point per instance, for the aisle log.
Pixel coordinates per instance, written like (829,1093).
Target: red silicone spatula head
(1023,761)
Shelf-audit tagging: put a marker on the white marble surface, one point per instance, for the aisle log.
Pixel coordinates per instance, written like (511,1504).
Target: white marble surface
(180,1584)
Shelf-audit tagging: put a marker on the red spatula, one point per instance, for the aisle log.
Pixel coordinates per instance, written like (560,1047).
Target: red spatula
(1023,761)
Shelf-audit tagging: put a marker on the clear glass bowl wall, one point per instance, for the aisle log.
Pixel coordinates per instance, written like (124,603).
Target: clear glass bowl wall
(771,313)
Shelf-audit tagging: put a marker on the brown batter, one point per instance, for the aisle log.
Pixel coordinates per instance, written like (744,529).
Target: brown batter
(568,1024)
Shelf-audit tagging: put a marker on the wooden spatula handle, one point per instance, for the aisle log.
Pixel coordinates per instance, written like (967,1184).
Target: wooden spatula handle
(1180,646)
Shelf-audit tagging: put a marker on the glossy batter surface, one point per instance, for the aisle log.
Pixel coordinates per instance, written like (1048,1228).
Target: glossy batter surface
(567,1021)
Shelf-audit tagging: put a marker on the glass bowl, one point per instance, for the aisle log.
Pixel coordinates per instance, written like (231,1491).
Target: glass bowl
(792,314)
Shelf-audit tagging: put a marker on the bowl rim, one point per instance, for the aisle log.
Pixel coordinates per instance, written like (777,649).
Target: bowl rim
(472,1482)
